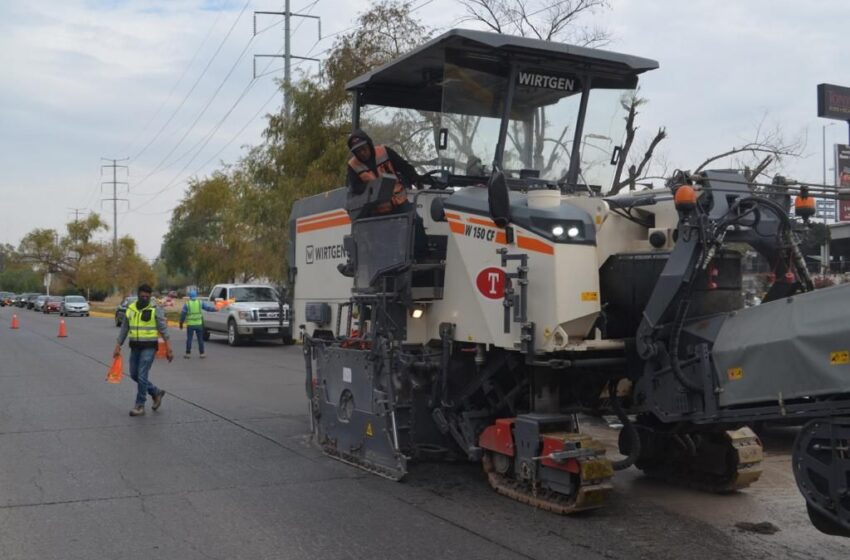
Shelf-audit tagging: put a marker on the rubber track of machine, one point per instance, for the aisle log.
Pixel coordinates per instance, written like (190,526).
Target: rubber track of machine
(589,496)
(745,471)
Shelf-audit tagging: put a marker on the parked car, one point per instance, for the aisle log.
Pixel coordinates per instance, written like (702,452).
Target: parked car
(53,304)
(121,310)
(20,300)
(6,298)
(38,302)
(74,305)
(30,301)
(248,312)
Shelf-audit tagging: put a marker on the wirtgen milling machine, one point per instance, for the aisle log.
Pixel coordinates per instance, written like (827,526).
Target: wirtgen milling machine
(514,296)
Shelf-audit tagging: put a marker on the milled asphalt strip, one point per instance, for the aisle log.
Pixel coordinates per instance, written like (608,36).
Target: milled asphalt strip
(187,401)
(95,428)
(139,495)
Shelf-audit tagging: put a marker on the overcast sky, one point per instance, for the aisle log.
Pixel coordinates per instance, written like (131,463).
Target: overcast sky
(82,80)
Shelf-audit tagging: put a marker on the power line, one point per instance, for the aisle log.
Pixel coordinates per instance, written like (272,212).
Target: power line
(150,121)
(287,52)
(198,118)
(209,102)
(197,81)
(204,141)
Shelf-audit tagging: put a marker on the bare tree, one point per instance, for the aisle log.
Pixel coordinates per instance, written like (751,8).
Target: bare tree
(768,147)
(562,21)
(547,20)
(635,170)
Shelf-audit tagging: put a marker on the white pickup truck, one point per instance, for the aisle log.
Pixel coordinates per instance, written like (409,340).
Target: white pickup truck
(248,312)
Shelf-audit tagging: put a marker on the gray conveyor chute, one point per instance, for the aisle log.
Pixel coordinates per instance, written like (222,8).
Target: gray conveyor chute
(786,349)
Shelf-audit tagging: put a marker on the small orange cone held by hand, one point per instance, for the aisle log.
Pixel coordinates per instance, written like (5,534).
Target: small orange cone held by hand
(160,349)
(14,321)
(116,371)
(63,331)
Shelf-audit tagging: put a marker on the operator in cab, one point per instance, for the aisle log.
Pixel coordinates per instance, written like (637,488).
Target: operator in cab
(370,161)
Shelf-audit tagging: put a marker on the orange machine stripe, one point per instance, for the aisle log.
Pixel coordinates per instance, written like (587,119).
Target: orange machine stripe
(452,216)
(456,227)
(334,222)
(480,222)
(534,245)
(501,239)
(318,217)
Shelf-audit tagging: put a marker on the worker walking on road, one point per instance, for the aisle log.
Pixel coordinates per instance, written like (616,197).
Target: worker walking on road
(194,319)
(145,323)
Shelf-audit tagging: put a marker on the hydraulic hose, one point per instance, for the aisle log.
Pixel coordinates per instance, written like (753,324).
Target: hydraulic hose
(628,427)
(675,365)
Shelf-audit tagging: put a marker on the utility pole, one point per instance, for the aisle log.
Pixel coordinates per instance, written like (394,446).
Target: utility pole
(77,212)
(287,51)
(114,182)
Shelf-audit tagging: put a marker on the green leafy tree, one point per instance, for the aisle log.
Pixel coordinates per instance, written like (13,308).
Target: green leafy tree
(233,225)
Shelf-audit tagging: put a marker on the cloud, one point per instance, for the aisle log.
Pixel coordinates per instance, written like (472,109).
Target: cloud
(82,79)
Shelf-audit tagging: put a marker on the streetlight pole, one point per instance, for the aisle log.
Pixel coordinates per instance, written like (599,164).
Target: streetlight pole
(824,149)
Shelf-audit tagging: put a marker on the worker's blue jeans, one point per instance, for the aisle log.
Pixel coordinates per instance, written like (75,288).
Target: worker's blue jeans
(141,360)
(199,331)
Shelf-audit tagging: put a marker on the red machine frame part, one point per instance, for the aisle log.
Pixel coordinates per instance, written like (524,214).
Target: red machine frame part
(499,438)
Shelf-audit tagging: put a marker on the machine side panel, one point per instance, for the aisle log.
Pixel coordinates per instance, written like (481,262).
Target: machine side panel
(318,249)
(787,349)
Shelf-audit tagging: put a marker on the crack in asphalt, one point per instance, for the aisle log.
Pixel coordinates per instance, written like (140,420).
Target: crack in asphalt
(173,494)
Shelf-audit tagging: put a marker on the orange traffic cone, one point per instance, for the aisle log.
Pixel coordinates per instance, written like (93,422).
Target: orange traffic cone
(14,321)
(160,349)
(63,332)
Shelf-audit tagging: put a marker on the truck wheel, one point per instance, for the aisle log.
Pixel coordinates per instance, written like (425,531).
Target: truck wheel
(233,337)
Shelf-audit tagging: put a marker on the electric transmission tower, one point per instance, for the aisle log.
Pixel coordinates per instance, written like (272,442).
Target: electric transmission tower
(287,55)
(115,200)
(76,212)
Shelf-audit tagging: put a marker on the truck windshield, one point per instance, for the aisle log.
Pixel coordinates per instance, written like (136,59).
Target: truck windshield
(541,131)
(253,294)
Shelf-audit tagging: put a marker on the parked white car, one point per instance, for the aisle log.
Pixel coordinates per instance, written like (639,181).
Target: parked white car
(74,305)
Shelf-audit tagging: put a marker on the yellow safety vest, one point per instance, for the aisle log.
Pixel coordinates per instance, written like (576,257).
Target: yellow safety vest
(141,330)
(194,317)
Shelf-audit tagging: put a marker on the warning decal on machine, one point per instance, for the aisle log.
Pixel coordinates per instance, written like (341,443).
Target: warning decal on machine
(735,373)
(346,375)
(590,296)
(839,358)
(369,432)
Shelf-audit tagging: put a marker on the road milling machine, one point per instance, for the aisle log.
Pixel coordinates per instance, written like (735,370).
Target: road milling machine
(511,298)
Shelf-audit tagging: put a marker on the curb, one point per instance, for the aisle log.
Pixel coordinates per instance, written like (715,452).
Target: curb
(102,315)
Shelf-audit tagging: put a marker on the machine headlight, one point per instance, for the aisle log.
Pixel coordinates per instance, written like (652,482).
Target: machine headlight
(573,232)
(558,231)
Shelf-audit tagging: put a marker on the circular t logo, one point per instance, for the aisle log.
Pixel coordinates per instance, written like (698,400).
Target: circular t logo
(491,283)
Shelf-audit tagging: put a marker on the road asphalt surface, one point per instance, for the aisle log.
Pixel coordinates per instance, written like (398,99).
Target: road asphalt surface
(226,470)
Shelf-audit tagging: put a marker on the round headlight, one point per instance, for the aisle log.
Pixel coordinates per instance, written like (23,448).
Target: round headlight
(557,231)
(573,232)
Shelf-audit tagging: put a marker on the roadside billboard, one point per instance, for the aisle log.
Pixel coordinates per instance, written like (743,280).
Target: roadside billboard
(834,102)
(842,179)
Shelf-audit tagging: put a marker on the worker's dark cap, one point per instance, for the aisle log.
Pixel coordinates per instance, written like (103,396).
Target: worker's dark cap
(145,288)
(356,142)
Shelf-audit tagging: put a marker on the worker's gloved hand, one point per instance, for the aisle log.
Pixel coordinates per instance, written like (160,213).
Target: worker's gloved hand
(169,355)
